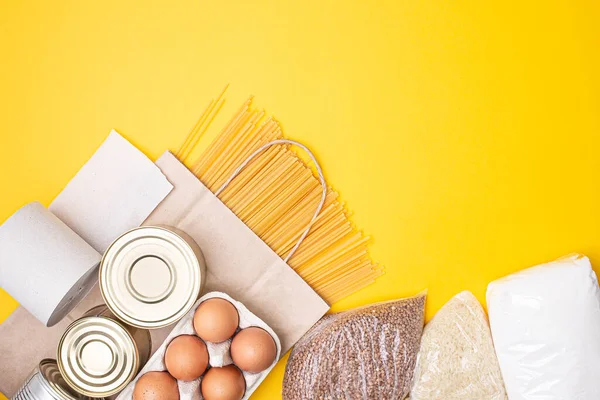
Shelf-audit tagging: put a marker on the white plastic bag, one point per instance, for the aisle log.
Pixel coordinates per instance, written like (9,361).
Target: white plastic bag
(545,324)
(457,360)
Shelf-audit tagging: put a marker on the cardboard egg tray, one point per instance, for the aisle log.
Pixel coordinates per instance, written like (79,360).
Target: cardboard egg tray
(218,352)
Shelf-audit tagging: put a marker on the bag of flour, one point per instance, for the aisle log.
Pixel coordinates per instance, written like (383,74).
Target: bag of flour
(545,324)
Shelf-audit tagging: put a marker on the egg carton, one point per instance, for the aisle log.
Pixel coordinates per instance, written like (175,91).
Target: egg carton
(219,354)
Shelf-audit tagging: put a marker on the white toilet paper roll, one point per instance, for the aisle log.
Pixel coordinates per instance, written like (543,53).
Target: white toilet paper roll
(44,265)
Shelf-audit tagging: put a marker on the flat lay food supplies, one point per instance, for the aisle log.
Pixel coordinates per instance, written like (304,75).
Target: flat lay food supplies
(167,280)
(149,277)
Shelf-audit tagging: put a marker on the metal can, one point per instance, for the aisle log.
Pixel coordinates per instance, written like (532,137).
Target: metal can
(97,356)
(151,276)
(141,337)
(46,383)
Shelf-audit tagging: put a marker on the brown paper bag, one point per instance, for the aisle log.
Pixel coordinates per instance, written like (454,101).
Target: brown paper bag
(238,262)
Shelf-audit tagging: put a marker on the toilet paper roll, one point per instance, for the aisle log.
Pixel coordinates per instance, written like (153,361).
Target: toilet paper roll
(44,265)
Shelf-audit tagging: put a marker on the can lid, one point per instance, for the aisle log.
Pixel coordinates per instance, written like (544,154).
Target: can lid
(97,356)
(150,277)
(54,382)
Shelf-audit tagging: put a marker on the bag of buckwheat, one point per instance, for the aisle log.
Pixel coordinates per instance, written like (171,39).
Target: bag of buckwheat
(364,353)
(457,360)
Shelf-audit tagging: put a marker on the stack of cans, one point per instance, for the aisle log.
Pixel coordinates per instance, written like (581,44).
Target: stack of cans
(150,277)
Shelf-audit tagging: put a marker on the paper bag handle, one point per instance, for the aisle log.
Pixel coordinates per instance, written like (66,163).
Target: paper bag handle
(319,171)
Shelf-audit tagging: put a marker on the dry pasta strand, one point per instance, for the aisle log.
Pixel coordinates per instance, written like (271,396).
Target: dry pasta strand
(201,126)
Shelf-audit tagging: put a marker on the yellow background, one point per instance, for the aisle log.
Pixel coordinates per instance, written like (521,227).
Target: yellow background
(464,134)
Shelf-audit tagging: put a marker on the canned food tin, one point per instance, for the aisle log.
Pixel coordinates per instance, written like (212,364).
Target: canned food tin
(97,356)
(142,337)
(151,276)
(46,383)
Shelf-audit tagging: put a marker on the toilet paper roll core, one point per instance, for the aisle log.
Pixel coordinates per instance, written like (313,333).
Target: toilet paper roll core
(44,265)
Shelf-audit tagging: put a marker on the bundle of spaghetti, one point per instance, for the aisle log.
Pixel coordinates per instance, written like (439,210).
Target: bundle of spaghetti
(276,196)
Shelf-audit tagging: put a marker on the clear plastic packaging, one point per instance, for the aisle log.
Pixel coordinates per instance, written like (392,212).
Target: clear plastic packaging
(457,360)
(365,353)
(545,324)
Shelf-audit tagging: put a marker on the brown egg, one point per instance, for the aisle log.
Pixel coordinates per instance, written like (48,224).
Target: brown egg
(253,349)
(225,383)
(216,320)
(186,357)
(156,386)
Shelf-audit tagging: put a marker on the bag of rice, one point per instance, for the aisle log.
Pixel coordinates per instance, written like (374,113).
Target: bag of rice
(366,353)
(457,359)
(545,323)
